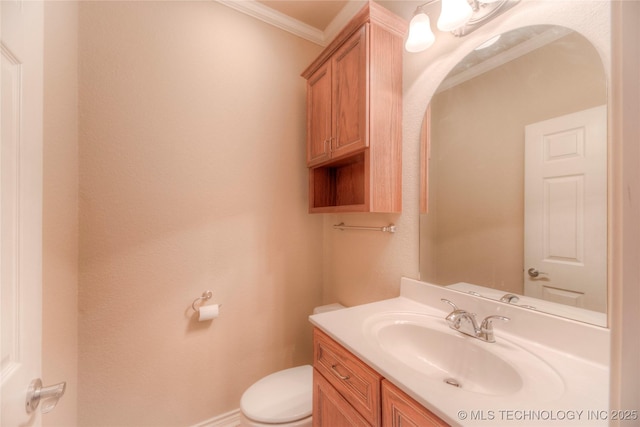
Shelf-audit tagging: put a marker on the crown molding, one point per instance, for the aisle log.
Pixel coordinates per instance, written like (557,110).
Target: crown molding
(284,22)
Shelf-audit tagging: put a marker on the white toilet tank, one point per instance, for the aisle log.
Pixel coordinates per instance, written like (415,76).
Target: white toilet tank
(284,398)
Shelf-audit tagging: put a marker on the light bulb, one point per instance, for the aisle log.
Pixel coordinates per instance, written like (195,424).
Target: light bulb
(454,14)
(420,35)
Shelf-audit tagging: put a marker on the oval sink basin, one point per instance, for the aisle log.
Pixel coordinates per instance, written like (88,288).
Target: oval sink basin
(431,349)
(450,357)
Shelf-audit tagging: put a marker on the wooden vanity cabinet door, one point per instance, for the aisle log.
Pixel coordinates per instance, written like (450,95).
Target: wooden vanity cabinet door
(330,409)
(349,98)
(400,410)
(319,115)
(353,379)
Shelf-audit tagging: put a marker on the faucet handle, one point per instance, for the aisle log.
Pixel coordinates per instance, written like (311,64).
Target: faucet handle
(455,307)
(486,328)
(486,323)
(511,298)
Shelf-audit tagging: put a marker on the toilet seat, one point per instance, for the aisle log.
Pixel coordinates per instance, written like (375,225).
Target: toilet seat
(281,397)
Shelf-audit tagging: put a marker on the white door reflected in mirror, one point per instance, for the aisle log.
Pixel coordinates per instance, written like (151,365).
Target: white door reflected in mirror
(566,209)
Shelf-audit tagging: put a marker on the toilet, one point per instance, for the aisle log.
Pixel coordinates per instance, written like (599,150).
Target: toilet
(283,398)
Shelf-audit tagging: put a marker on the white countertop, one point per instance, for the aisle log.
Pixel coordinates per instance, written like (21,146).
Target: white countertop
(582,399)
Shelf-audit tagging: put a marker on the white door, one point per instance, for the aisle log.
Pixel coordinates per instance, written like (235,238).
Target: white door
(566,209)
(21,206)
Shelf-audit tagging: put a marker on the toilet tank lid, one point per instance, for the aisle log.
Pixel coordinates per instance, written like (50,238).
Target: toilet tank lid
(281,397)
(328,307)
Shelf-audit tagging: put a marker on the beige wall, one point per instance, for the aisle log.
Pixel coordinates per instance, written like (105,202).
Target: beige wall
(478,127)
(192,166)
(60,205)
(144,362)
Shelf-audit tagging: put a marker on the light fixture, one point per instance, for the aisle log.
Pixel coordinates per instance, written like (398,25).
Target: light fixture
(454,14)
(420,35)
(460,17)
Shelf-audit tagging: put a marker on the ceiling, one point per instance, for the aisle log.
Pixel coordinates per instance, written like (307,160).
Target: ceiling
(318,21)
(316,13)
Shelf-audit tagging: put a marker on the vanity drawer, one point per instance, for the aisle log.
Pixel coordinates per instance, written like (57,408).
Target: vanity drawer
(355,381)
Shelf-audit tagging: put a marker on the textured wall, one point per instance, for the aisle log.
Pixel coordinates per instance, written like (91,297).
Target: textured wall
(192,177)
(60,208)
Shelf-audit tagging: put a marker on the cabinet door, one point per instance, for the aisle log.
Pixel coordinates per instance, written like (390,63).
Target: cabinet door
(400,410)
(350,103)
(319,115)
(330,408)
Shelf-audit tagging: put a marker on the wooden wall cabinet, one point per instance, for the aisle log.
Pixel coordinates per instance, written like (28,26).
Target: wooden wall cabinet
(354,117)
(347,392)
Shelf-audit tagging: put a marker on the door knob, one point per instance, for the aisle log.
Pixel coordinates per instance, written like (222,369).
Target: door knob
(534,273)
(49,395)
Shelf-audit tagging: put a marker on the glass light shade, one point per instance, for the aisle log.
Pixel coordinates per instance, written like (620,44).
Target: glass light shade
(454,14)
(420,35)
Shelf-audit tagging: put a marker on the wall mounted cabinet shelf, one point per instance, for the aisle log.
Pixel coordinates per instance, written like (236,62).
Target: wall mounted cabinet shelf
(354,117)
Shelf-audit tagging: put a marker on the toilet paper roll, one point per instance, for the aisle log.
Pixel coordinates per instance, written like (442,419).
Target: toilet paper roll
(208,312)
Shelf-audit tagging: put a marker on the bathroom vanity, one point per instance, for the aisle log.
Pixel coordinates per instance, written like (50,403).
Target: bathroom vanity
(349,392)
(398,361)
(354,117)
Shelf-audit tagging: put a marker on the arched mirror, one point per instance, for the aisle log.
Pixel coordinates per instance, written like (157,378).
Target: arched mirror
(514,175)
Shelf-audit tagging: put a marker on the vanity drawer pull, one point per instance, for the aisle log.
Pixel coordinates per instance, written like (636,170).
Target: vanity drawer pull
(335,371)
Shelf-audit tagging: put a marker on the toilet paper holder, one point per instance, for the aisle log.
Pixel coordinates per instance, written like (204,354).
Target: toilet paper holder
(206,295)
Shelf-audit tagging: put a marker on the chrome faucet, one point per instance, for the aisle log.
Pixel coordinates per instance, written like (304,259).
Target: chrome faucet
(465,322)
(462,320)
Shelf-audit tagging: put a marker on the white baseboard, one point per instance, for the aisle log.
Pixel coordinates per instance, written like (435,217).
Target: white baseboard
(230,419)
